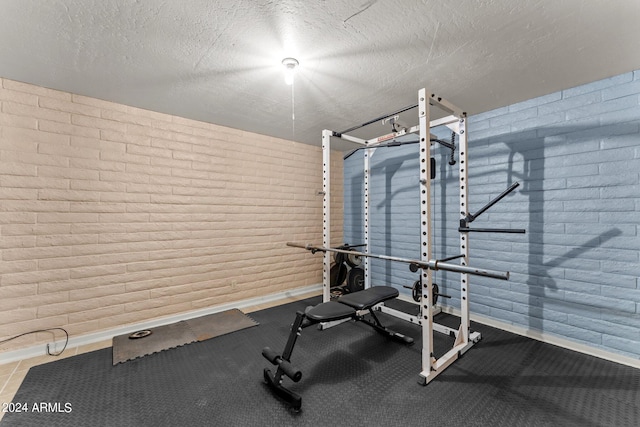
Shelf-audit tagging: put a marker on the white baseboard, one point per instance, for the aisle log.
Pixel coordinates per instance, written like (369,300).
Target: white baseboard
(41,349)
(541,336)
(550,339)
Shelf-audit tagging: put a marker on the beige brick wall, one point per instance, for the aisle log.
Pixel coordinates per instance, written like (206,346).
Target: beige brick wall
(111,215)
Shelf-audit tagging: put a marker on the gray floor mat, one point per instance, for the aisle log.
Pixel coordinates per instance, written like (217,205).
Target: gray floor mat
(180,333)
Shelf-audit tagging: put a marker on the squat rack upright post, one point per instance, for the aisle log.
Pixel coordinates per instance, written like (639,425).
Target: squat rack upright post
(455,121)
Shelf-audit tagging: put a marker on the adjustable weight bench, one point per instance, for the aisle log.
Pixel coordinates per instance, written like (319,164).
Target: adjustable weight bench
(345,307)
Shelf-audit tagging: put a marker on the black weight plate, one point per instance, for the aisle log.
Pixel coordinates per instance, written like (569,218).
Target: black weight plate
(338,273)
(436,292)
(416,292)
(355,281)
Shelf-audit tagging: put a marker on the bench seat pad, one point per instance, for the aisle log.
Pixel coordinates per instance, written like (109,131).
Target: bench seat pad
(328,311)
(367,298)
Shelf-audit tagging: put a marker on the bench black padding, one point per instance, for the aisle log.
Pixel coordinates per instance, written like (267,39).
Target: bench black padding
(367,298)
(328,311)
(345,307)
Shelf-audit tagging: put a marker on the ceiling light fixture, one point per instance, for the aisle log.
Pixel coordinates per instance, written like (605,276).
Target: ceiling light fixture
(290,65)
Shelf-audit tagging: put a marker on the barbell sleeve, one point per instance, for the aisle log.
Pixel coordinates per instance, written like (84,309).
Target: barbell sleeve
(298,245)
(437,265)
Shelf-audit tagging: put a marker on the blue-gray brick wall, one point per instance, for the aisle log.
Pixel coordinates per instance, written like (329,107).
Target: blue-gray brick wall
(575,273)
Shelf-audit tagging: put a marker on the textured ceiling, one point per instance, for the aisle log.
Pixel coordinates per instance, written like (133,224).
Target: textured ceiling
(219,61)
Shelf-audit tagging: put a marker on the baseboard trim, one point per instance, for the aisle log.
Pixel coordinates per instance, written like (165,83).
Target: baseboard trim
(41,349)
(550,339)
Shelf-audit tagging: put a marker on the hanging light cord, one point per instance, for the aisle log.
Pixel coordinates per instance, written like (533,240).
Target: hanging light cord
(293,112)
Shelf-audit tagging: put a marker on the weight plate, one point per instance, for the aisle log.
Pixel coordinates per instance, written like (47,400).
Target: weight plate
(336,293)
(416,293)
(338,274)
(436,292)
(353,260)
(355,281)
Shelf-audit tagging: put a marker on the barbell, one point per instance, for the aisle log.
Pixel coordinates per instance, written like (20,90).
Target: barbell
(432,264)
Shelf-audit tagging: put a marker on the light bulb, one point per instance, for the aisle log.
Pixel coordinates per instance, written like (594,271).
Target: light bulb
(290,65)
(288,76)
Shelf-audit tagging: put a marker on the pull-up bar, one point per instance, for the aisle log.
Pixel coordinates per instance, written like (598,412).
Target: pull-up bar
(435,99)
(432,264)
(386,116)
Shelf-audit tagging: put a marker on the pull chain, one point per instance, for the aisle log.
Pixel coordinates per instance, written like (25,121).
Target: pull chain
(293,113)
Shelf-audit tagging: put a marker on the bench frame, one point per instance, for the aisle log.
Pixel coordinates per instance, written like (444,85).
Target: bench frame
(348,307)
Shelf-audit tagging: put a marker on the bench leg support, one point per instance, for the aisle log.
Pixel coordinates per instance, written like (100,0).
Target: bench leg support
(377,325)
(291,398)
(285,368)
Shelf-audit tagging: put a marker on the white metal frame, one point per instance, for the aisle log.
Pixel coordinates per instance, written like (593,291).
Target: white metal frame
(456,121)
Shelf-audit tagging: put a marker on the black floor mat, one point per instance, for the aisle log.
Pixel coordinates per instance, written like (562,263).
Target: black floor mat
(351,376)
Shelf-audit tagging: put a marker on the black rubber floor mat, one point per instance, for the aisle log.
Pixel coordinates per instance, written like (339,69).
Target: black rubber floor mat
(352,375)
(178,334)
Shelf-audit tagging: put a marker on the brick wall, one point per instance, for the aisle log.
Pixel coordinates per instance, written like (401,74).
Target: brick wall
(575,274)
(111,215)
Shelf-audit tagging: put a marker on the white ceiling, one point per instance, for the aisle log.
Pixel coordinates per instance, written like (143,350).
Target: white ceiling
(219,61)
